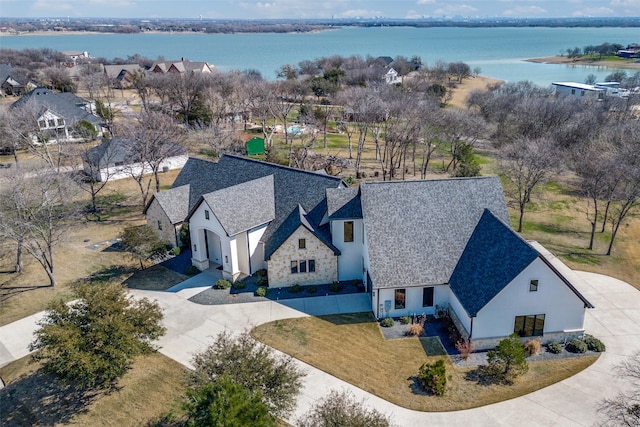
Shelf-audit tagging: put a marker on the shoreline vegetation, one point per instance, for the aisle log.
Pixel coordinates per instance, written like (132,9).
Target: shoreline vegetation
(608,63)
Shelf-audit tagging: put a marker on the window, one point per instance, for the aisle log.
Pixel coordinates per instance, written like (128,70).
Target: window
(302,243)
(159,225)
(206,214)
(348,231)
(529,326)
(60,122)
(581,93)
(195,248)
(400,300)
(302,267)
(427,297)
(312,265)
(533,285)
(294,267)
(573,91)
(42,124)
(52,123)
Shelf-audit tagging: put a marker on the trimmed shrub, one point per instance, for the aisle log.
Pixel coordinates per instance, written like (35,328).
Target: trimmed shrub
(175,250)
(405,320)
(508,360)
(262,291)
(554,347)
(192,270)
(433,377)
(335,287)
(532,347)
(594,344)
(261,273)
(576,346)
(222,284)
(295,289)
(414,330)
(465,348)
(312,290)
(262,281)
(387,322)
(238,284)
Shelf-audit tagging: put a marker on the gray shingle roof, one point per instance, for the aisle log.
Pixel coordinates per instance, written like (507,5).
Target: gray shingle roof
(243,206)
(416,230)
(120,149)
(292,187)
(492,258)
(175,203)
(343,203)
(297,218)
(65,105)
(113,71)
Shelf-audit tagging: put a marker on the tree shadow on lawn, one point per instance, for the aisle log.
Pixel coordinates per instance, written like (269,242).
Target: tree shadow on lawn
(9,291)
(38,399)
(483,375)
(156,278)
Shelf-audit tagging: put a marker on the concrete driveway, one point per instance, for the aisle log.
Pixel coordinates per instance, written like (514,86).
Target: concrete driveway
(571,402)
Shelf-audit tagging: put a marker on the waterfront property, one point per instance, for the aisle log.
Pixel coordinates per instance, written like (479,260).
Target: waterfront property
(419,247)
(596,91)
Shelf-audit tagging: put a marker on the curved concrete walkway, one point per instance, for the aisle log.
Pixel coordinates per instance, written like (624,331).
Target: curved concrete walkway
(573,401)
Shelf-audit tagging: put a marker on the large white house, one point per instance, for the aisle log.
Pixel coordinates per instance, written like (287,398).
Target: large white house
(419,247)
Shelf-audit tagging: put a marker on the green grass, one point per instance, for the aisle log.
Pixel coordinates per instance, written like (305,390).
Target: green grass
(351,347)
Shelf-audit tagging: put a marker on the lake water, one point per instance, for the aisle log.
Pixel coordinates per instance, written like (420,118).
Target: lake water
(499,52)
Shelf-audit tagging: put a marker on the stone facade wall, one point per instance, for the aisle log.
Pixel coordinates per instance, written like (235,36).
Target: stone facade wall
(155,214)
(279,266)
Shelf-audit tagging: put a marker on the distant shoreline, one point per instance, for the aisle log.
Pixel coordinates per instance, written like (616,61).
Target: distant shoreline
(563,60)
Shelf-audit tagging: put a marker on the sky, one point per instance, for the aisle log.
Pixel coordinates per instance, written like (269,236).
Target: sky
(301,9)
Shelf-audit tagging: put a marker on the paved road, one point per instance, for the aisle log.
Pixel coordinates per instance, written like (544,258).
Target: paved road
(571,402)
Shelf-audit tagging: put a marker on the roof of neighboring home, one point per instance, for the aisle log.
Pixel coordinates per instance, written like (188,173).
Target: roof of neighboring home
(64,104)
(120,149)
(417,230)
(492,258)
(295,220)
(181,66)
(243,206)
(113,71)
(5,71)
(292,187)
(343,203)
(174,202)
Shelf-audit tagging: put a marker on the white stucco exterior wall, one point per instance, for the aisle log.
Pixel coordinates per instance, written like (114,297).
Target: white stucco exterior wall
(256,249)
(350,262)
(563,309)
(113,171)
(279,266)
(197,226)
(413,303)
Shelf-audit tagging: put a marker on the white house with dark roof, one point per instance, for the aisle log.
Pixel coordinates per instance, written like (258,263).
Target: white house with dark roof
(419,247)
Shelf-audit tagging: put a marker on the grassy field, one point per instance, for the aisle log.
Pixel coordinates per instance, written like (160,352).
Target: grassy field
(351,347)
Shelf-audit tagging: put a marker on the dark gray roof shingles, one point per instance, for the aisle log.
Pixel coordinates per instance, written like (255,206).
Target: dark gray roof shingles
(66,105)
(243,206)
(416,230)
(492,258)
(343,203)
(175,203)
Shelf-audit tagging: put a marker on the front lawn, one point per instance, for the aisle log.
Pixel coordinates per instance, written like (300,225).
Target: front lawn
(152,387)
(351,347)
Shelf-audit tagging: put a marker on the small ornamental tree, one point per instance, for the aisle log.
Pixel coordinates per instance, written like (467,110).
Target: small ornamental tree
(254,366)
(143,244)
(433,377)
(225,403)
(342,409)
(508,360)
(91,342)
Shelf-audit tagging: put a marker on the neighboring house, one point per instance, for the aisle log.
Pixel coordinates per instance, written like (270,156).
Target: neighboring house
(122,75)
(392,77)
(58,114)
(117,159)
(181,67)
(420,247)
(11,85)
(596,91)
(74,55)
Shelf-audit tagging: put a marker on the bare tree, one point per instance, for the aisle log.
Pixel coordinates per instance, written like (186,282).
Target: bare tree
(458,127)
(624,409)
(37,214)
(526,163)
